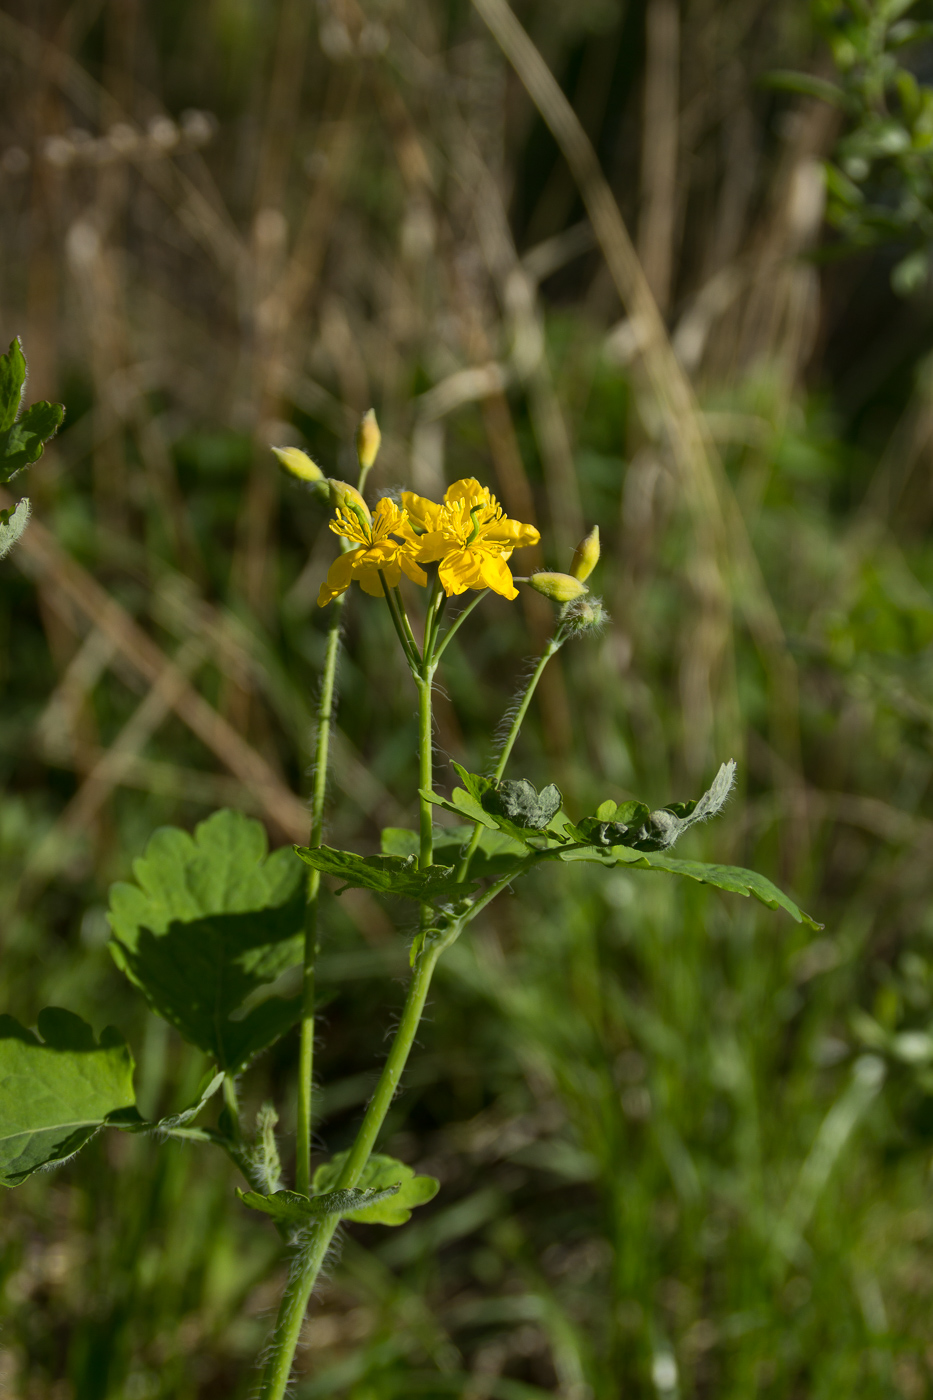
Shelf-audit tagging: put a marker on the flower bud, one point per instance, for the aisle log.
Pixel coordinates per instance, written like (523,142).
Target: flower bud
(299,464)
(585,615)
(586,555)
(560,588)
(368,438)
(343,496)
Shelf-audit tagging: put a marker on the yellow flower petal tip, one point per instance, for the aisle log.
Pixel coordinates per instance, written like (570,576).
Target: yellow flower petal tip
(560,588)
(586,555)
(298,463)
(469,537)
(368,440)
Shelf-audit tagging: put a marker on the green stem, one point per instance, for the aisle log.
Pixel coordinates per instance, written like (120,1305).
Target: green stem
(411,652)
(307,1263)
(306,1047)
(553,646)
(232,1106)
(425,768)
(400,605)
(457,623)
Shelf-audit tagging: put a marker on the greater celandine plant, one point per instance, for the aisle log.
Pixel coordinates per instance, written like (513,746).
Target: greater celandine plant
(212,920)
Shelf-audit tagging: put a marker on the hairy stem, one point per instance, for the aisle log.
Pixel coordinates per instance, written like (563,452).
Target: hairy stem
(306,1047)
(553,646)
(307,1262)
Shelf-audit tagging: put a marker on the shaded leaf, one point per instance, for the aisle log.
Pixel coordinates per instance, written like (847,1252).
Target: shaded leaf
(211,919)
(379,1174)
(57,1091)
(395,875)
(496,853)
(23,443)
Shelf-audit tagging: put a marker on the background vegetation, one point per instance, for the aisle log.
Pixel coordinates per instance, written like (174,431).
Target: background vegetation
(685,1147)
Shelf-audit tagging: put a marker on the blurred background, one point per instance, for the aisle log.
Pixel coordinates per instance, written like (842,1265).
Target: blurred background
(684,1145)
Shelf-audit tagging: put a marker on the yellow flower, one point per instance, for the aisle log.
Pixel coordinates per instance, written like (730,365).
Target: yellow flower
(471,537)
(388,546)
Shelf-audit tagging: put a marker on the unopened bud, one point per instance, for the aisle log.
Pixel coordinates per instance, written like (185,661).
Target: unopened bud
(299,464)
(343,496)
(368,438)
(560,588)
(585,615)
(586,555)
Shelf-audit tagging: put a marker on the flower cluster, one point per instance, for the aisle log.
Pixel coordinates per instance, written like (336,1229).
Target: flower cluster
(467,535)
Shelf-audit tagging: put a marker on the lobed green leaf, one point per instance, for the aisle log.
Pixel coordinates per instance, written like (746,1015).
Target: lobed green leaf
(290,1208)
(210,921)
(724,877)
(387,874)
(58,1091)
(379,1174)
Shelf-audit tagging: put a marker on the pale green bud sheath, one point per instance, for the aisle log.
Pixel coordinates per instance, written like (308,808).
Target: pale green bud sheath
(560,588)
(368,442)
(298,463)
(586,556)
(343,496)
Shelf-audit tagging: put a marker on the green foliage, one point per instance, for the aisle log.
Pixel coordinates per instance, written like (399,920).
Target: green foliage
(496,853)
(22,439)
(210,921)
(386,874)
(382,1174)
(522,804)
(289,1208)
(723,877)
(880,180)
(12,524)
(57,1091)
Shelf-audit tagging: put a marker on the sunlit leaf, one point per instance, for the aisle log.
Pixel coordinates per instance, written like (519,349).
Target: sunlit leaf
(724,877)
(379,1174)
(12,525)
(57,1089)
(292,1209)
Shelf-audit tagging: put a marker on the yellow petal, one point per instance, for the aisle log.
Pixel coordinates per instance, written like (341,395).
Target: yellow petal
(467,489)
(496,575)
(512,532)
(424,513)
(432,546)
(338,578)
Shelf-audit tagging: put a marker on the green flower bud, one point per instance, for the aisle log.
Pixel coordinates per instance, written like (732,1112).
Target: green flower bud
(368,439)
(298,463)
(560,588)
(346,497)
(586,555)
(585,615)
